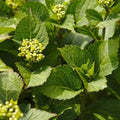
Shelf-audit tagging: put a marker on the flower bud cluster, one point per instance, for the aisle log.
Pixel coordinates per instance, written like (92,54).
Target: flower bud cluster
(105,2)
(10,111)
(14,3)
(59,10)
(31,50)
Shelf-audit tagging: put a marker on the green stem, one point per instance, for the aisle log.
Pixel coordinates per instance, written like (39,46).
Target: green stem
(106,15)
(59,37)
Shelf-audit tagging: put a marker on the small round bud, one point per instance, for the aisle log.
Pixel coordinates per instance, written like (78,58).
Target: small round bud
(10,104)
(11,110)
(0,105)
(21,114)
(59,11)
(14,3)
(4,114)
(6,102)
(105,2)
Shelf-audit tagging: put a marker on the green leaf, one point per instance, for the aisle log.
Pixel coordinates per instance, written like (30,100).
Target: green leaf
(108,109)
(91,32)
(98,116)
(109,21)
(37,9)
(78,9)
(58,92)
(9,46)
(113,86)
(105,56)
(68,23)
(98,84)
(3,66)
(6,25)
(83,77)
(68,115)
(114,83)
(11,86)
(63,83)
(25,73)
(8,59)
(4,37)
(115,9)
(41,101)
(109,31)
(74,56)
(86,72)
(30,27)
(4,22)
(4,8)
(6,29)
(91,70)
(50,3)
(35,114)
(93,16)
(35,78)
(78,39)
(52,55)
(38,77)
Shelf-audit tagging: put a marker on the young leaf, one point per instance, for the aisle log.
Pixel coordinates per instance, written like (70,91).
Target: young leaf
(63,83)
(31,27)
(83,77)
(35,114)
(11,86)
(34,78)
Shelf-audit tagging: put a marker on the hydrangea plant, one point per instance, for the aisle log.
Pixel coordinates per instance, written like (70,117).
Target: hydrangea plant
(59,60)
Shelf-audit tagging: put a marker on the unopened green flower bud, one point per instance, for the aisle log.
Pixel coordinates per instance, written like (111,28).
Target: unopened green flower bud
(10,111)
(105,3)
(30,49)
(59,11)
(14,3)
